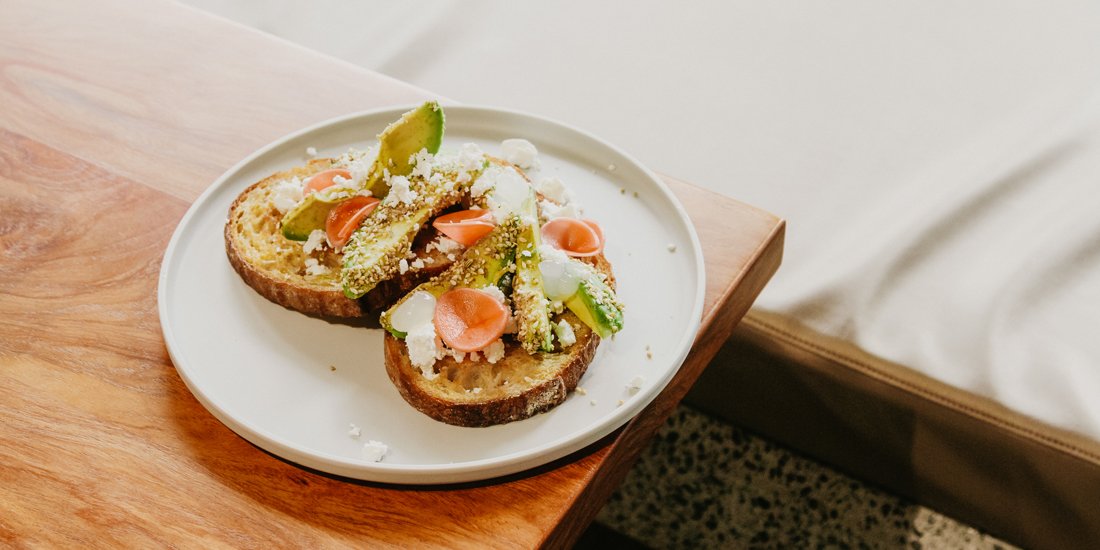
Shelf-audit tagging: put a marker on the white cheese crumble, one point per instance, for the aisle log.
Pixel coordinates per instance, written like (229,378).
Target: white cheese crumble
(315,241)
(354,432)
(313,267)
(581,391)
(555,190)
(551,210)
(286,194)
(520,152)
(494,352)
(424,349)
(422,164)
(400,191)
(635,384)
(417,264)
(373,451)
(311,151)
(671,247)
(358,163)
(402,266)
(444,244)
(495,292)
(564,331)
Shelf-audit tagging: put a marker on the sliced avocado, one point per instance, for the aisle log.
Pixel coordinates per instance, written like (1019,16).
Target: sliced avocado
(308,215)
(376,249)
(486,263)
(420,128)
(532,307)
(595,304)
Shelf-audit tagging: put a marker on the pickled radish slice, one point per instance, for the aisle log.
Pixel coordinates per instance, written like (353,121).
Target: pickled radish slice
(345,218)
(576,238)
(324,180)
(466,226)
(468,319)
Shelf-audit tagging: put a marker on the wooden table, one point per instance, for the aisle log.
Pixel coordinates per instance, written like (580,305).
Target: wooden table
(114,116)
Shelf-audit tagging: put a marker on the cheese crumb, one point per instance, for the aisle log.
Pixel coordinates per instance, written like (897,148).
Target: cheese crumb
(423,344)
(315,241)
(313,267)
(311,151)
(620,403)
(402,266)
(671,247)
(592,402)
(520,152)
(354,432)
(581,390)
(286,194)
(417,264)
(494,352)
(635,384)
(554,189)
(374,451)
(564,331)
(400,191)
(495,292)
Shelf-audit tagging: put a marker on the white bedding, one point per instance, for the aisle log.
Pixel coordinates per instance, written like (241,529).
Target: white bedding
(938,162)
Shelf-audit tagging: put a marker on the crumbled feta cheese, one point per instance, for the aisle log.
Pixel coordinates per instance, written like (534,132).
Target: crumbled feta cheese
(564,331)
(373,451)
(400,191)
(582,391)
(470,157)
(444,245)
(424,349)
(592,402)
(494,352)
(520,152)
(402,266)
(313,267)
(311,151)
(671,247)
(555,190)
(417,264)
(635,384)
(315,241)
(422,164)
(286,194)
(495,292)
(354,432)
(551,210)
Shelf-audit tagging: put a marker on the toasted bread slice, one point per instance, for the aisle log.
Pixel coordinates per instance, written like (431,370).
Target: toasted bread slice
(276,267)
(476,393)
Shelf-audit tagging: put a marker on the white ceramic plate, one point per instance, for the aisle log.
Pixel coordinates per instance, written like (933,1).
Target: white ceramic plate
(267,372)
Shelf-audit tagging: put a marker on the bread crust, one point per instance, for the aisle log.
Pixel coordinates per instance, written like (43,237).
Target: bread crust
(532,399)
(540,394)
(283,285)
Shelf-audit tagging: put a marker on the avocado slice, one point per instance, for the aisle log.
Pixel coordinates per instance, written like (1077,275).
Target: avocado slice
(420,128)
(310,214)
(595,304)
(375,250)
(532,307)
(485,263)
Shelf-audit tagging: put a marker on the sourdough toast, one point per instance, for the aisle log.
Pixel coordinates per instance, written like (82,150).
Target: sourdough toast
(477,393)
(277,267)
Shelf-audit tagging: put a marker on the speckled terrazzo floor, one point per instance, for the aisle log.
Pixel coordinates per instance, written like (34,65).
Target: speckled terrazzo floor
(705,484)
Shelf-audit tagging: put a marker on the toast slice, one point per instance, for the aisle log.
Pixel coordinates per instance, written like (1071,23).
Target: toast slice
(476,393)
(277,267)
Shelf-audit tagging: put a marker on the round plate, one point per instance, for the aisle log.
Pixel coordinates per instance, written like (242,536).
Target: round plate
(294,384)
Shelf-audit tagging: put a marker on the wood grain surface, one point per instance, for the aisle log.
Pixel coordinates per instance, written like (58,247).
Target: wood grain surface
(115,116)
